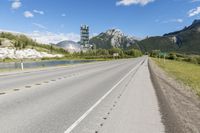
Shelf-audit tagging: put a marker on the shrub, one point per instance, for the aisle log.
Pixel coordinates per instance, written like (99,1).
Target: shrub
(134,53)
(191,60)
(198,60)
(116,50)
(179,59)
(155,53)
(102,52)
(172,56)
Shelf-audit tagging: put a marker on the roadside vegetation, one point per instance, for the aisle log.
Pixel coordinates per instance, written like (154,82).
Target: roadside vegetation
(188,73)
(100,54)
(195,59)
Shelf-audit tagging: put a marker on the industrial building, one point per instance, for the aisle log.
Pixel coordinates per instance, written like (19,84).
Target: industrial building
(84,36)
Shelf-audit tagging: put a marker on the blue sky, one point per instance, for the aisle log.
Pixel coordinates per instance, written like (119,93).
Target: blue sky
(56,20)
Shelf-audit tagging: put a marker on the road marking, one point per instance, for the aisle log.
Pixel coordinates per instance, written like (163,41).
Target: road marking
(28,86)
(69,130)
(2,93)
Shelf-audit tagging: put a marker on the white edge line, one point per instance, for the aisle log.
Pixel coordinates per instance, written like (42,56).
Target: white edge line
(99,101)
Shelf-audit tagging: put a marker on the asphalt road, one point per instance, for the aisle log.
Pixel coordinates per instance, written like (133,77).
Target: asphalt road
(50,101)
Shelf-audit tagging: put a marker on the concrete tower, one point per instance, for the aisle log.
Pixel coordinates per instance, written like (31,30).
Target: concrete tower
(84,35)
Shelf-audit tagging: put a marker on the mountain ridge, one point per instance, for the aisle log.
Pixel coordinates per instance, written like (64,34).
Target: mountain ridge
(114,38)
(185,41)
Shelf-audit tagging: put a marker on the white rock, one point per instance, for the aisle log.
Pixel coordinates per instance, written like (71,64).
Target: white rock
(25,54)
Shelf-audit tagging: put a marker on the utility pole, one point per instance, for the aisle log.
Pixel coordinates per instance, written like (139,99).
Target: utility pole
(95,49)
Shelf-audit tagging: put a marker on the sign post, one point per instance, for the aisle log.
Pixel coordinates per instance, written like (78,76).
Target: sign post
(115,55)
(164,58)
(163,55)
(22,65)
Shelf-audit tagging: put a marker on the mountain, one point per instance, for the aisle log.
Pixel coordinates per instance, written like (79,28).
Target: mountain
(114,38)
(185,41)
(70,46)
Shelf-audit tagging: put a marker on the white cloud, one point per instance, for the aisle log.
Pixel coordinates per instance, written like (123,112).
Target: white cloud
(194,12)
(49,37)
(39,26)
(28,14)
(133,2)
(179,20)
(63,15)
(16,4)
(195,1)
(174,20)
(38,12)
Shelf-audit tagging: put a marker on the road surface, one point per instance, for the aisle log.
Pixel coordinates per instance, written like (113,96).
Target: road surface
(61,100)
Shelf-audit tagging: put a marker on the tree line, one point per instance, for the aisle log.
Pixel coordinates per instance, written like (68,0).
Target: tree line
(195,59)
(108,53)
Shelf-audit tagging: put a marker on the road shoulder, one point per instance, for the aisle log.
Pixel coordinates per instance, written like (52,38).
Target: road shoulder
(138,110)
(180,107)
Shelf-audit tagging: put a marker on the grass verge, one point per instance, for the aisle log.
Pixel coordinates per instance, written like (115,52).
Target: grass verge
(188,73)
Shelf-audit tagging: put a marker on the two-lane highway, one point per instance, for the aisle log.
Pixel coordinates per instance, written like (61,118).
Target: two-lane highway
(50,101)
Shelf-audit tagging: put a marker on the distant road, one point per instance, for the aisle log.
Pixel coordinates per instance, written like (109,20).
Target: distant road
(50,101)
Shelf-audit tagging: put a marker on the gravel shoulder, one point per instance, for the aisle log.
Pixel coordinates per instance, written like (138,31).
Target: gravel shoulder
(179,105)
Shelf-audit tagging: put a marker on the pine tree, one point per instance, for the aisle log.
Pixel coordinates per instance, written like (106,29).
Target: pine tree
(19,44)
(15,44)
(23,46)
(51,48)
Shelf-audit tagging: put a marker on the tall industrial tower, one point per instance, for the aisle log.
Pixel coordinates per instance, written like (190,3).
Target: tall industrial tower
(84,35)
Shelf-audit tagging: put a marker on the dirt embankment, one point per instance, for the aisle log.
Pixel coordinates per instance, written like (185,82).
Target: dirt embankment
(180,107)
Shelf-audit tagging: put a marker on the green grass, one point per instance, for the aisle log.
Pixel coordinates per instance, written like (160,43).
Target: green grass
(188,73)
(8,60)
